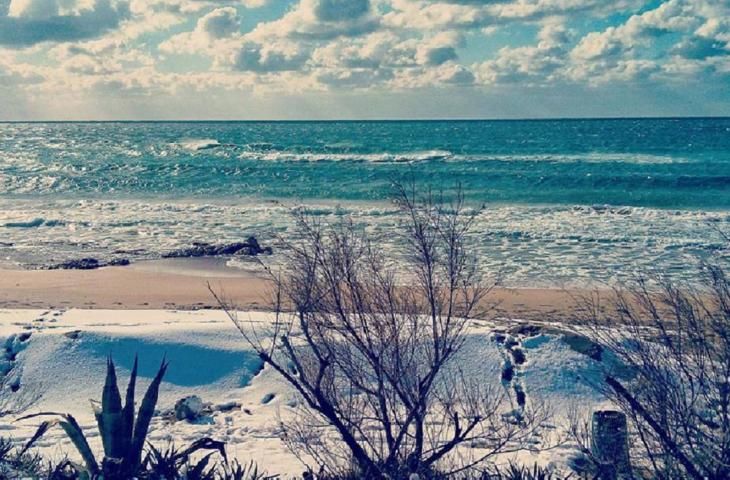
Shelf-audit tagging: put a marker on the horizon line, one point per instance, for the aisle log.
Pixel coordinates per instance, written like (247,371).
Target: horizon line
(355,120)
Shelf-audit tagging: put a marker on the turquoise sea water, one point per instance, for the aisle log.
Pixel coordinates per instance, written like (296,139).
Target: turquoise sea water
(567,199)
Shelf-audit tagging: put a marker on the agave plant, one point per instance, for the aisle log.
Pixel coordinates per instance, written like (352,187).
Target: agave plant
(123,436)
(171,464)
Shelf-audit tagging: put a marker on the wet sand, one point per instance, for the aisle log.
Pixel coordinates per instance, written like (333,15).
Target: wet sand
(183,285)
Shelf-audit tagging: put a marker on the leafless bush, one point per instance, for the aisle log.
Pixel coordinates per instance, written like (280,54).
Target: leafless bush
(674,344)
(373,360)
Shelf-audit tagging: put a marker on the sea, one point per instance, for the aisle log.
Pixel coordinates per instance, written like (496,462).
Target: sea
(561,202)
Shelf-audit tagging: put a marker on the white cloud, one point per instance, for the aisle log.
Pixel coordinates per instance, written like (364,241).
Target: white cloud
(220,23)
(354,78)
(540,63)
(213,27)
(470,14)
(438,49)
(29,22)
(128,47)
(629,52)
(270,57)
(672,16)
(422,15)
(321,20)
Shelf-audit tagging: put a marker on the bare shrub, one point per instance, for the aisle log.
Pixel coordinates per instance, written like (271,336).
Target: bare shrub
(674,345)
(373,360)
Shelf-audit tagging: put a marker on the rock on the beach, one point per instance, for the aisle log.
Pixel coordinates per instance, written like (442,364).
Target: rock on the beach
(82,264)
(228,406)
(188,408)
(119,262)
(88,264)
(202,249)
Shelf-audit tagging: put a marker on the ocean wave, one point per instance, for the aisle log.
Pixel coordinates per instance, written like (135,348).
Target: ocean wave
(594,157)
(385,157)
(530,245)
(196,144)
(447,156)
(35,223)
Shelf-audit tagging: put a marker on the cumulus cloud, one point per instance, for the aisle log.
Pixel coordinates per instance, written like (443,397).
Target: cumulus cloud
(13,73)
(438,49)
(29,22)
(457,75)
(479,14)
(701,48)
(711,39)
(321,20)
(429,16)
(540,63)
(361,78)
(217,34)
(388,50)
(630,51)
(371,51)
(216,25)
(672,16)
(120,47)
(220,23)
(283,56)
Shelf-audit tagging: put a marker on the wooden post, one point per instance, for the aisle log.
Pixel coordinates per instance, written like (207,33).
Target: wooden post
(610,445)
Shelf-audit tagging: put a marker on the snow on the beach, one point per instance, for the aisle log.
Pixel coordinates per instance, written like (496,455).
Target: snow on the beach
(64,358)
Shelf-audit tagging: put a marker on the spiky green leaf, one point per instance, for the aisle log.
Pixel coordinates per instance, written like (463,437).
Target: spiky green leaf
(128,411)
(73,430)
(110,419)
(144,417)
(111,400)
(42,429)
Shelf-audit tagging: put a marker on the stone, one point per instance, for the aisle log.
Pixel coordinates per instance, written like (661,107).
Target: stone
(250,247)
(228,406)
(81,264)
(188,408)
(88,264)
(119,262)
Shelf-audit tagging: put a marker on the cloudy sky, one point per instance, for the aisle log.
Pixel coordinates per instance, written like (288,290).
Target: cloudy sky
(280,59)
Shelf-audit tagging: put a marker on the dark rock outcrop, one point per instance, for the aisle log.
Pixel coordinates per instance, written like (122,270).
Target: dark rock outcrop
(88,264)
(81,264)
(189,408)
(119,262)
(201,249)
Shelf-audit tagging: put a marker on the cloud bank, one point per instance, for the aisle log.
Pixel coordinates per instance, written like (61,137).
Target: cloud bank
(87,51)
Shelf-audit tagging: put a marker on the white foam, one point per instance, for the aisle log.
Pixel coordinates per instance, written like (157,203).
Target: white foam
(385,157)
(199,144)
(531,245)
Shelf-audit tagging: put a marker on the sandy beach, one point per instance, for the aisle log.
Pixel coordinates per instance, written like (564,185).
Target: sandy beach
(182,284)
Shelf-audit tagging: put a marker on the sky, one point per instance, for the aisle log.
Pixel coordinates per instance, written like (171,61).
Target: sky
(362,59)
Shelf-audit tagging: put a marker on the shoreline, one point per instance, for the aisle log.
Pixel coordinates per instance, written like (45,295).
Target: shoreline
(182,284)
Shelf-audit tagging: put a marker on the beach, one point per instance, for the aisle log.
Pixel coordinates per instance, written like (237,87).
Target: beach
(182,284)
(364,239)
(115,237)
